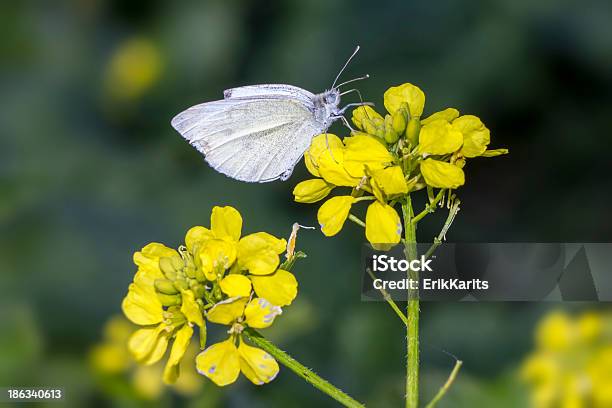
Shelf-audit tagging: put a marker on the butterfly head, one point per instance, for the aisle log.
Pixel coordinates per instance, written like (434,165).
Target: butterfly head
(326,106)
(331,97)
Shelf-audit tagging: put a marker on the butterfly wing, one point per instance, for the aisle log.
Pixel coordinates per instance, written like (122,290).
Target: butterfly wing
(270,91)
(253,139)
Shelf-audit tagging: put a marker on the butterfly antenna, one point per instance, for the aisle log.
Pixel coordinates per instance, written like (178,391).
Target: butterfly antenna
(345,65)
(366,76)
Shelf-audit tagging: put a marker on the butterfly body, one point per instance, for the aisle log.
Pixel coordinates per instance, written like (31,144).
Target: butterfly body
(258,133)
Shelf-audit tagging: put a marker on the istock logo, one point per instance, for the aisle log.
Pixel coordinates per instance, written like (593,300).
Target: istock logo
(383,263)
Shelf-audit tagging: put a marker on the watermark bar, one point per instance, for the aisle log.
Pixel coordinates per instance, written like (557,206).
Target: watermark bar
(491,272)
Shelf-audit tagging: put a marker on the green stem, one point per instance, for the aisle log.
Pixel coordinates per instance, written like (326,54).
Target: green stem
(452,212)
(302,371)
(412,310)
(429,208)
(389,300)
(356,220)
(442,391)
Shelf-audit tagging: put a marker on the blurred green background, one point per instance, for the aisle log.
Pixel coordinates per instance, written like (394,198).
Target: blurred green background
(91,170)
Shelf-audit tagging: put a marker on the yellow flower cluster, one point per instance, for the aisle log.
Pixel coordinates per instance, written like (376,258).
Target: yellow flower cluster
(389,157)
(219,276)
(572,364)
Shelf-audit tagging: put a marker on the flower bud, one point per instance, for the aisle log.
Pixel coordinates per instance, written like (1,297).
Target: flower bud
(166,265)
(391,136)
(180,284)
(190,271)
(198,290)
(177,263)
(367,113)
(165,286)
(169,300)
(199,275)
(401,118)
(375,127)
(412,131)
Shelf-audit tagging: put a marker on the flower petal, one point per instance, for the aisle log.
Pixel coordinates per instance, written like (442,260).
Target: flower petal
(332,169)
(141,305)
(311,191)
(181,342)
(476,136)
(333,214)
(389,180)
(148,344)
(408,93)
(383,225)
(216,254)
(236,285)
(226,222)
(220,362)
(258,253)
(190,308)
(441,174)
(494,152)
(362,150)
(227,311)
(257,365)
(318,145)
(439,137)
(197,235)
(280,288)
(260,313)
(148,257)
(448,114)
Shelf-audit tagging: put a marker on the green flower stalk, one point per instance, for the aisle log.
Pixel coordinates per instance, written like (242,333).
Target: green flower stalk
(382,163)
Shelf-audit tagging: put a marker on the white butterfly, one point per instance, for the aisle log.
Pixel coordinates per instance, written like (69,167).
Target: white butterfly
(258,133)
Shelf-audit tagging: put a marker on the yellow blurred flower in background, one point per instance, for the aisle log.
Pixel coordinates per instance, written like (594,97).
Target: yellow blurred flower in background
(571,366)
(111,357)
(134,68)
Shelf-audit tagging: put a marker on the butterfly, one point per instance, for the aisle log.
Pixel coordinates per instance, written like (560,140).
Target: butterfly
(258,133)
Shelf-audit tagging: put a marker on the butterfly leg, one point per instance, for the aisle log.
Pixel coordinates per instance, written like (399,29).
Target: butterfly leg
(345,122)
(350,105)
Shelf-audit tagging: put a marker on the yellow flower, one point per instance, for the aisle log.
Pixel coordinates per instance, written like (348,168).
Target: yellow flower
(383,224)
(441,174)
(363,150)
(388,158)
(259,253)
(217,270)
(333,213)
(148,345)
(388,182)
(476,136)
(439,137)
(405,93)
(319,145)
(221,246)
(222,362)
(311,191)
